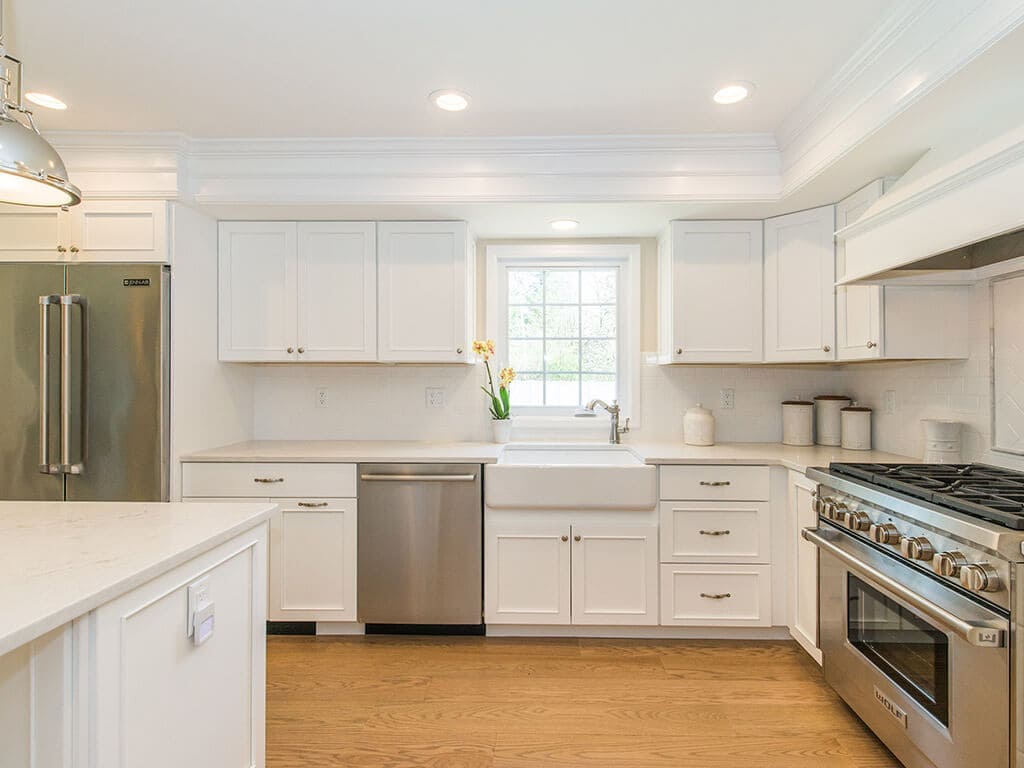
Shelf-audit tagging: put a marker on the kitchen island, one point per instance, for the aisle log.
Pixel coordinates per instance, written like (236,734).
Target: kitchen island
(132,633)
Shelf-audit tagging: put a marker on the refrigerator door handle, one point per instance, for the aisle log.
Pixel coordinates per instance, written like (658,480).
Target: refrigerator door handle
(66,303)
(45,467)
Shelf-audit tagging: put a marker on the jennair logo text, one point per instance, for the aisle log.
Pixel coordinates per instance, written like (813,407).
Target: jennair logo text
(134,282)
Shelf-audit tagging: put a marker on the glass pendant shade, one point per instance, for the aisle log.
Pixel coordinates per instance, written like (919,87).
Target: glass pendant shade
(31,171)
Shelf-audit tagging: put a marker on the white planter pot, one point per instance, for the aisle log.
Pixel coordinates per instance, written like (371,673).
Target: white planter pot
(502,430)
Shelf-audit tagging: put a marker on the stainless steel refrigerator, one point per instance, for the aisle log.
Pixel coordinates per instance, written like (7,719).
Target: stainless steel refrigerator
(84,382)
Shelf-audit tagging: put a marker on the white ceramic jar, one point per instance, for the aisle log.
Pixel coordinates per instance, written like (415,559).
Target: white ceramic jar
(829,422)
(797,422)
(941,441)
(856,427)
(698,426)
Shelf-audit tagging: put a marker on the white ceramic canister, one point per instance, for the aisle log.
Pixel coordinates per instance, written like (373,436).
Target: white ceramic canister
(855,423)
(797,422)
(698,426)
(942,441)
(828,408)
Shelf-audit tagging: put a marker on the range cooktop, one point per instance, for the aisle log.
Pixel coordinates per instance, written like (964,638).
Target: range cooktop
(979,490)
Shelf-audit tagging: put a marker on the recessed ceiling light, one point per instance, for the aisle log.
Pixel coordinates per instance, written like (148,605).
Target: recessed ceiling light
(449,100)
(564,225)
(45,100)
(733,93)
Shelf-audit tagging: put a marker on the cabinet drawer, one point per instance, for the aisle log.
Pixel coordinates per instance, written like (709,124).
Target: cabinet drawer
(715,531)
(277,480)
(714,482)
(716,595)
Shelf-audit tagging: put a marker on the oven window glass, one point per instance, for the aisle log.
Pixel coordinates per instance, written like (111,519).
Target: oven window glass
(904,647)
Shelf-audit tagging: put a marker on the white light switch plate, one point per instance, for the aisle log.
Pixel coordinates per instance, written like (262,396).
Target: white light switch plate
(198,595)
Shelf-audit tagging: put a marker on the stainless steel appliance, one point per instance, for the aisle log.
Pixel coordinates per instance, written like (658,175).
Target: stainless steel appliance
(420,544)
(920,567)
(84,372)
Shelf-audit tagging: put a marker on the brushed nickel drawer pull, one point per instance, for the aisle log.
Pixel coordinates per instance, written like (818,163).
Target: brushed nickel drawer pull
(268,479)
(715,483)
(313,504)
(719,596)
(715,533)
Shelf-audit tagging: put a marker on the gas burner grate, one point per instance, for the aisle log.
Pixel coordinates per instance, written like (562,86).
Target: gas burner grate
(983,491)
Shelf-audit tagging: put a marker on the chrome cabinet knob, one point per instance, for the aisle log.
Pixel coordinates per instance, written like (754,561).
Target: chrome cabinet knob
(826,348)
(856,520)
(917,548)
(949,563)
(871,345)
(884,533)
(980,577)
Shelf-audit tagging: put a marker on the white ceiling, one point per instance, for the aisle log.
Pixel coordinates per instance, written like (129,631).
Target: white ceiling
(255,68)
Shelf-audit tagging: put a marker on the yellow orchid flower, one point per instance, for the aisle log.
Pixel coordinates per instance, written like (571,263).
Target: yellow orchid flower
(507,376)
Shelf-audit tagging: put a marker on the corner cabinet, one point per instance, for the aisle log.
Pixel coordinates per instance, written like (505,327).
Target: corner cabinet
(710,275)
(425,270)
(799,287)
(94,230)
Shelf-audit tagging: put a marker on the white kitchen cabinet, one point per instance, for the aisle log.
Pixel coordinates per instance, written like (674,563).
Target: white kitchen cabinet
(94,230)
(527,575)
(615,574)
(257,288)
(710,288)
(313,560)
(159,700)
(425,284)
(858,307)
(799,287)
(337,292)
(803,621)
(707,595)
(715,532)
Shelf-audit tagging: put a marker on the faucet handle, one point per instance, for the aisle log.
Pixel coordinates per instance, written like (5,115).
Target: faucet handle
(623,430)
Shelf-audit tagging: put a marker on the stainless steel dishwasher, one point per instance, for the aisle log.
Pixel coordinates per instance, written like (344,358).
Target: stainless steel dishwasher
(420,544)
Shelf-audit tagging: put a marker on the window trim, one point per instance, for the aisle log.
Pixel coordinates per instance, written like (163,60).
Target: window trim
(624,256)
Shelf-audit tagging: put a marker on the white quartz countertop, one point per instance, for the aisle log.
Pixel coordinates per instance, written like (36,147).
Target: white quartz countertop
(60,560)
(793,457)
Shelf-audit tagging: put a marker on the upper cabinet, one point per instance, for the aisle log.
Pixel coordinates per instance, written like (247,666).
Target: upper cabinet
(425,279)
(337,292)
(710,289)
(858,307)
(95,230)
(799,292)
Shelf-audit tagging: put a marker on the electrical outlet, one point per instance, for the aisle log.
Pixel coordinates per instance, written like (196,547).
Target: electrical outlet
(727,399)
(322,400)
(435,397)
(890,401)
(198,596)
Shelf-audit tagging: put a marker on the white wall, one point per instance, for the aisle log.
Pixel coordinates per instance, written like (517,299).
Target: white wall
(211,402)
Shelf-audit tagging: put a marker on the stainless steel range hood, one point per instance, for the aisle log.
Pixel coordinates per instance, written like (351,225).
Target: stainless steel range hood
(975,256)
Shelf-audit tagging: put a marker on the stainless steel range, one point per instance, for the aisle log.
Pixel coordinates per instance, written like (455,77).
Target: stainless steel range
(920,606)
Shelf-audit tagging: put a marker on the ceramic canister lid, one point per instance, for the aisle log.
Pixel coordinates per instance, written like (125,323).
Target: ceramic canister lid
(797,402)
(831,397)
(856,409)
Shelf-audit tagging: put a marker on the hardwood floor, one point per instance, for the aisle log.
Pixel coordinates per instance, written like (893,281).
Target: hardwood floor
(504,703)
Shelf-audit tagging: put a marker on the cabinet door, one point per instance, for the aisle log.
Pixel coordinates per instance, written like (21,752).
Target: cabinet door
(337,283)
(716,279)
(615,575)
(858,307)
(119,230)
(257,291)
(804,594)
(313,561)
(799,287)
(527,575)
(423,291)
(33,234)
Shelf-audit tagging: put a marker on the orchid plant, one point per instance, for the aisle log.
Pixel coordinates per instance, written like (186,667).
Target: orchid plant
(499,406)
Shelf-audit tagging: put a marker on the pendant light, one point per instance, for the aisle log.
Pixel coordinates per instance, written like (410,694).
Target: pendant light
(31,171)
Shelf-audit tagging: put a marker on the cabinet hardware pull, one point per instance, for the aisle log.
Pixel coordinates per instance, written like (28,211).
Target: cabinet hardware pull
(715,533)
(74,249)
(458,351)
(564,537)
(715,483)
(826,348)
(313,504)
(576,538)
(61,249)
(268,479)
(301,350)
(679,350)
(719,596)
(871,345)
(289,350)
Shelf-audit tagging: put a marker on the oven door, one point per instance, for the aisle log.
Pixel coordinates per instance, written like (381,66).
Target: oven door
(927,668)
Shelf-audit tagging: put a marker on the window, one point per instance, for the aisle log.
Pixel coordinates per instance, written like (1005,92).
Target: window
(560,317)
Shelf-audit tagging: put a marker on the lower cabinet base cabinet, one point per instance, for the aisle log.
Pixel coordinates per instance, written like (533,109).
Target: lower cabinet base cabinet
(803,623)
(563,573)
(702,595)
(159,700)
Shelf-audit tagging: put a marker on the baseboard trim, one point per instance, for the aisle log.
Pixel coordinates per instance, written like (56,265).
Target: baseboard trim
(668,633)
(291,627)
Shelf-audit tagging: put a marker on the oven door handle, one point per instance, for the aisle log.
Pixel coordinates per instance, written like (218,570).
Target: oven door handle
(987,635)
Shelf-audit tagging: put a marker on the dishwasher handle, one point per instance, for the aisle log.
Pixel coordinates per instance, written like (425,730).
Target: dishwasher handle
(468,478)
